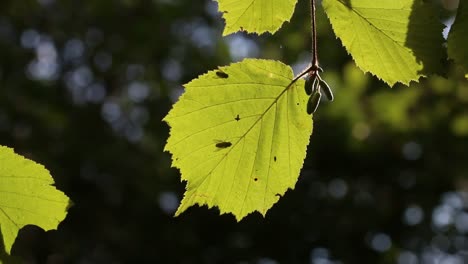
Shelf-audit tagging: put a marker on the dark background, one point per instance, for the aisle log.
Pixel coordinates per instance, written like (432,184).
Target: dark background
(84,86)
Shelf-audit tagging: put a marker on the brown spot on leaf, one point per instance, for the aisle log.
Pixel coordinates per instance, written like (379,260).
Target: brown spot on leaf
(222,74)
(223,144)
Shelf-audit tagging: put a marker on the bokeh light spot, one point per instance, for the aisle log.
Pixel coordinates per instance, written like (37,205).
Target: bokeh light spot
(337,188)
(381,242)
(168,202)
(413,215)
(412,151)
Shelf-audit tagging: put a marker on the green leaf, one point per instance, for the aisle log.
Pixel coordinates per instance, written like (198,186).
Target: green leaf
(398,41)
(257,16)
(240,138)
(458,37)
(27,196)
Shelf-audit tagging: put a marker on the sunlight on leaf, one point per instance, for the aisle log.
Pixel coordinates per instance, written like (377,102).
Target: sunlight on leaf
(458,37)
(239,137)
(27,197)
(255,16)
(398,41)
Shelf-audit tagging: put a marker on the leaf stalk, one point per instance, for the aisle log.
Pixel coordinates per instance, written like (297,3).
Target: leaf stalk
(313,30)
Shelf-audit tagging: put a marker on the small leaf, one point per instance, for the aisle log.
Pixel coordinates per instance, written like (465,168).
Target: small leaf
(458,37)
(27,197)
(265,123)
(398,41)
(255,16)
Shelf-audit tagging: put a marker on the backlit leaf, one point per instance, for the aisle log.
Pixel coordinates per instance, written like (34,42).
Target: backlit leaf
(27,196)
(240,141)
(398,41)
(257,16)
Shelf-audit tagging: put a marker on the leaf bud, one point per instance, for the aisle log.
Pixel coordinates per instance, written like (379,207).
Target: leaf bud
(309,83)
(313,102)
(326,89)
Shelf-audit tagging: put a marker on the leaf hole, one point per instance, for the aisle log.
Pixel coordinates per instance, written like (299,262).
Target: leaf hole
(237,118)
(274,158)
(255,179)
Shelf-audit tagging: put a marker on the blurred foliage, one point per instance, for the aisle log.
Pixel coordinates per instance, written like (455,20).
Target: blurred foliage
(84,86)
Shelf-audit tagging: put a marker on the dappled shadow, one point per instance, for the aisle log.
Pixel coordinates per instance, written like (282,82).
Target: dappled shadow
(426,40)
(346,3)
